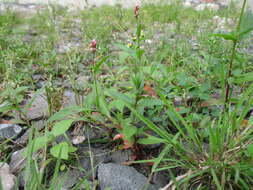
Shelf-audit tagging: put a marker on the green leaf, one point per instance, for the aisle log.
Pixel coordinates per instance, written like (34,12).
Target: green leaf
(246,24)
(150,140)
(72,149)
(148,103)
(61,127)
(117,104)
(100,62)
(6,108)
(226,36)
(103,106)
(113,93)
(138,32)
(244,32)
(249,150)
(129,130)
(247,77)
(62,114)
(60,150)
(126,52)
(39,142)
(161,132)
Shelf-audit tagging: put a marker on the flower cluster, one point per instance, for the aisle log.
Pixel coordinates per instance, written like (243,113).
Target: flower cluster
(136,10)
(93,45)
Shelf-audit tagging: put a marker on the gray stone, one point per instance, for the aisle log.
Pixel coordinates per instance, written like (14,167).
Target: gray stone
(68,179)
(17,161)
(99,155)
(160,179)
(39,125)
(7,179)
(119,177)
(121,156)
(9,131)
(38,108)
(69,99)
(211,6)
(67,47)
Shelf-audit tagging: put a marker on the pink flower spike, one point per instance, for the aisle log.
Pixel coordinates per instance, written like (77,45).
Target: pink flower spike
(118,136)
(136,10)
(93,45)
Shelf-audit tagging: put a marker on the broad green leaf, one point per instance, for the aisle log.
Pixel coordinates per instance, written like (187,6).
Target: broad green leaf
(117,104)
(61,127)
(226,36)
(60,150)
(148,103)
(62,114)
(244,32)
(6,108)
(151,140)
(247,77)
(39,142)
(246,25)
(122,97)
(72,149)
(129,130)
(100,62)
(249,150)
(20,89)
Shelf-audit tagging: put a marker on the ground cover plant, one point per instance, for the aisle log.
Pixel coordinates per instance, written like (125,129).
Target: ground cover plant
(168,85)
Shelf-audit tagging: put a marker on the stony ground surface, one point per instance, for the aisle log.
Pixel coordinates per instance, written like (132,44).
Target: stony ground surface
(132,179)
(80,4)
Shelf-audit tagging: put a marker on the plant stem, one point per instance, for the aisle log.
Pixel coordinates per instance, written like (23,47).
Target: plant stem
(230,65)
(95,80)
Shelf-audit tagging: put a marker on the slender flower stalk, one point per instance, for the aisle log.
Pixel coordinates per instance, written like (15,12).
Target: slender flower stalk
(93,48)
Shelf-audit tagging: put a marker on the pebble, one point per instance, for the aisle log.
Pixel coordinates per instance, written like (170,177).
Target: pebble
(6,178)
(119,177)
(66,180)
(39,107)
(9,131)
(38,125)
(211,6)
(17,162)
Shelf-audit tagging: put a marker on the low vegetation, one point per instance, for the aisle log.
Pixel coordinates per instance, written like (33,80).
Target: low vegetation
(164,75)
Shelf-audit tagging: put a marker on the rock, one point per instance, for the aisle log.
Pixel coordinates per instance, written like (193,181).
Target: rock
(121,156)
(191,3)
(67,47)
(69,99)
(99,155)
(61,138)
(39,107)
(7,179)
(17,161)
(66,180)
(9,131)
(118,177)
(160,179)
(83,81)
(21,179)
(211,6)
(39,125)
